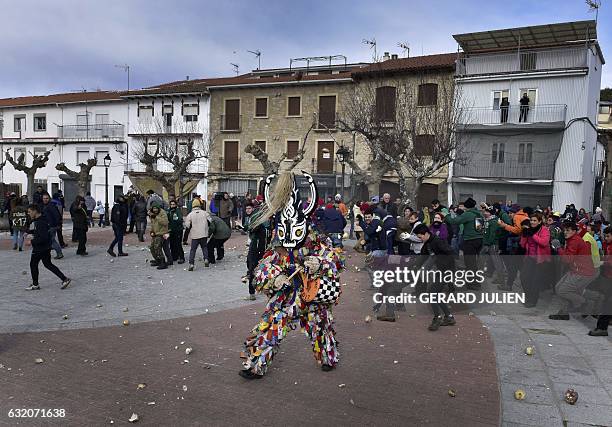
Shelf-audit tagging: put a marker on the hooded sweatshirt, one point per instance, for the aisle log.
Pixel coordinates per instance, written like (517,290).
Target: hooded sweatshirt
(472,221)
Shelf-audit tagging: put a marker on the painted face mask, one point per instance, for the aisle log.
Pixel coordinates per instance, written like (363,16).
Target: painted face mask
(291,220)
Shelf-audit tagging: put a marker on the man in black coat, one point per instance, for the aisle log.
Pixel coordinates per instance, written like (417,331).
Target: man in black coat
(139,213)
(119,220)
(80,223)
(41,248)
(388,206)
(53,218)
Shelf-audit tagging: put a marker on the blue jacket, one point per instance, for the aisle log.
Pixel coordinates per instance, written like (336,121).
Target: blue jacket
(375,235)
(51,215)
(333,221)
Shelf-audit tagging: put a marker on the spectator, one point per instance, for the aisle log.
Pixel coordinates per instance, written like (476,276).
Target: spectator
(90,205)
(160,234)
(490,247)
(80,224)
(535,272)
(58,201)
(515,252)
(339,204)
(118,219)
(139,214)
(603,285)
(53,219)
(101,212)
(437,207)
(226,206)
(333,224)
(438,228)
(219,232)
(18,218)
(38,195)
(175,221)
(235,209)
(388,205)
(154,198)
(257,247)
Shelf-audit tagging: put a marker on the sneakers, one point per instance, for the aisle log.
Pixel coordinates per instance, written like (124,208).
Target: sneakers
(435,324)
(559,316)
(58,256)
(65,283)
(247,374)
(122,254)
(111,253)
(33,288)
(190,268)
(162,266)
(206,263)
(448,321)
(598,333)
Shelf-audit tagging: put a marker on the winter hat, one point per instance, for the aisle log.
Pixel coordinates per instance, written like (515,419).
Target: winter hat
(196,203)
(470,203)
(515,208)
(338,197)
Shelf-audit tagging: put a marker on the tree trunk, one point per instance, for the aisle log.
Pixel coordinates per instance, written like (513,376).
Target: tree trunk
(82,188)
(415,191)
(30,184)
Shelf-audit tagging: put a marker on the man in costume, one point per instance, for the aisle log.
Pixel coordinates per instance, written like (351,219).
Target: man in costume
(300,275)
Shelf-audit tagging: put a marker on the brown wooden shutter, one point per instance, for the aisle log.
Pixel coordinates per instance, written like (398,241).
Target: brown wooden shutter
(428,94)
(325,157)
(423,145)
(294,107)
(230,158)
(385,103)
(261,145)
(292,149)
(232,114)
(327,112)
(261,107)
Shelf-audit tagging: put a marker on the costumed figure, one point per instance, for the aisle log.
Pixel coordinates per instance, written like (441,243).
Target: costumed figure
(300,273)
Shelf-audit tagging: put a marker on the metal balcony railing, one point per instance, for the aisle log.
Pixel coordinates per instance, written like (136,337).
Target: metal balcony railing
(91,131)
(230,122)
(515,114)
(512,169)
(600,169)
(522,61)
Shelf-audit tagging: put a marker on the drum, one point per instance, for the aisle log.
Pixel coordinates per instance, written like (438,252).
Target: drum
(325,290)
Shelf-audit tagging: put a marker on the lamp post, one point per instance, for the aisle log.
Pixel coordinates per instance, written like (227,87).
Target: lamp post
(342,154)
(107,162)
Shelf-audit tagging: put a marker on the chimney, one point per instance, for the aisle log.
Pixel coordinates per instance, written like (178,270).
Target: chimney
(386,56)
(394,56)
(186,77)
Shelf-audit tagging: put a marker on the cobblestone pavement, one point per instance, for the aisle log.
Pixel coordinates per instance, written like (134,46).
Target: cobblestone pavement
(390,373)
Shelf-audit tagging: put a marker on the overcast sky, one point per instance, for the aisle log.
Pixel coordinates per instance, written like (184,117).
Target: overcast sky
(67,45)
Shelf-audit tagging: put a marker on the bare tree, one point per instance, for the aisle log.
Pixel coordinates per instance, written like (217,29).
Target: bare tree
(170,155)
(415,141)
(82,177)
(274,166)
(38,161)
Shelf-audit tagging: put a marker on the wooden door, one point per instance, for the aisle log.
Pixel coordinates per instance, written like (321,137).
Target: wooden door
(325,157)
(427,193)
(232,114)
(230,158)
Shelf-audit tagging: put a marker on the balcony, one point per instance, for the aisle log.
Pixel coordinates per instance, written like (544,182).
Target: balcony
(544,113)
(522,62)
(509,169)
(230,122)
(600,169)
(91,131)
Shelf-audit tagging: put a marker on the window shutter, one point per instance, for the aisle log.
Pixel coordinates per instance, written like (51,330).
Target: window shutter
(261,145)
(182,107)
(423,145)
(292,149)
(385,103)
(327,111)
(428,94)
(138,109)
(261,107)
(294,106)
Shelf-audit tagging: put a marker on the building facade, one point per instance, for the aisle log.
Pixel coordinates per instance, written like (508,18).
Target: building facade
(534,95)
(74,127)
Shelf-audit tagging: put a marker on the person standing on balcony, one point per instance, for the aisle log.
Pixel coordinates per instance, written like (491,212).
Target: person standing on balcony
(524,101)
(503,107)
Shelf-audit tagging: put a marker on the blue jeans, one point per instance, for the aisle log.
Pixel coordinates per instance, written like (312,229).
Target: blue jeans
(54,243)
(18,238)
(118,240)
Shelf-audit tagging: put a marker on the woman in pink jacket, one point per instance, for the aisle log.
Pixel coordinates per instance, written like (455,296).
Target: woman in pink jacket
(535,274)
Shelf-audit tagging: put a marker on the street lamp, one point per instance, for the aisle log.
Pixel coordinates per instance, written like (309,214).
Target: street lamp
(343,154)
(107,162)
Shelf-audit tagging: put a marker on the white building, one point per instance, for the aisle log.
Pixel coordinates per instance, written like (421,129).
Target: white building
(74,127)
(545,152)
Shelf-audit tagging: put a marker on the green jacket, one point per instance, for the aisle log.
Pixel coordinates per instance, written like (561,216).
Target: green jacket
(159,224)
(473,223)
(491,231)
(175,220)
(218,229)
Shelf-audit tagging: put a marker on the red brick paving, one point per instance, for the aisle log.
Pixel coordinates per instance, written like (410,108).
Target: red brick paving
(377,391)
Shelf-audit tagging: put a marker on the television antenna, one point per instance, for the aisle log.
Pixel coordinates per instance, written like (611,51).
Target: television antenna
(594,6)
(236,68)
(372,44)
(257,54)
(405,46)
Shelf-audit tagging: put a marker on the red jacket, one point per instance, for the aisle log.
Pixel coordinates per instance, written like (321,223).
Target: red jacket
(606,269)
(538,245)
(577,255)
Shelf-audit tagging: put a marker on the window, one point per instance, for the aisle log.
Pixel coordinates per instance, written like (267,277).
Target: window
(498,96)
(531,94)
(100,155)
(82,156)
(327,112)
(294,106)
(40,122)
(605,109)
(528,61)
(102,119)
(38,151)
(428,94)
(261,107)
(385,104)
(168,111)
(231,118)
(292,149)
(261,145)
(145,113)
(83,121)
(19,123)
(423,145)
(525,153)
(19,152)
(190,112)
(498,153)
